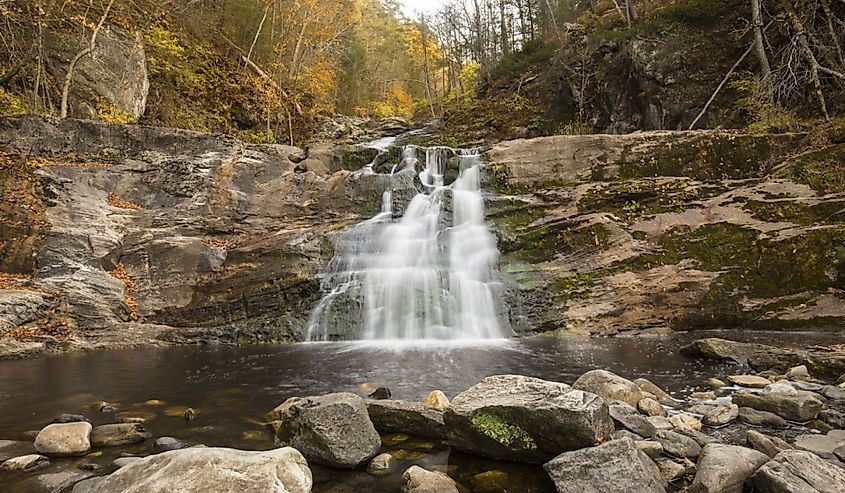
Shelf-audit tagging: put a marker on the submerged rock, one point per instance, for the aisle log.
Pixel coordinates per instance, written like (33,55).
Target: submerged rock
(419,480)
(609,386)
(13,448)
(25,463)
(381,464)
(64,440)
(725,468)
(614,467)
(118,434)
(334,429)
(166,444)
(414,418)
(525,419)
(201,470)
(796,471)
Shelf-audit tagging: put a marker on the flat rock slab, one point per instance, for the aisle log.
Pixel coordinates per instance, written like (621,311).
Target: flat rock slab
(525,419)
(617,466)
(801,406)
(24,463)
(752,381)
(725,468)
(821,445)
(797,471)
(413,418)
(201,470)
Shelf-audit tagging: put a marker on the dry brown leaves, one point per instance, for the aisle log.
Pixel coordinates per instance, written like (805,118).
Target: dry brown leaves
(43,162)
(120,274)
(115,201)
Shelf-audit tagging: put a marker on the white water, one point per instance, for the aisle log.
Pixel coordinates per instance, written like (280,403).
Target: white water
(430,275)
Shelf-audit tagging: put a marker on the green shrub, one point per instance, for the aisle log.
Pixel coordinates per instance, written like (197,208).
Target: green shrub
(534,52)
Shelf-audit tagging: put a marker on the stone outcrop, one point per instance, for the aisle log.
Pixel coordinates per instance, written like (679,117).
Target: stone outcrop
(525,419)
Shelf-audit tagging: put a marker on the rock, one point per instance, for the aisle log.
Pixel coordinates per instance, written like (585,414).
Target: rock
(685,421)
(166,444)
(118,434)
(725,468)
(721,415)
(703,396)
(647,386)
(53,481)
(670,470)
(64,440)
(796,471)
(819,425)
(650,448)
(627,416)
(189,414)
(798,373)
(125,461)
(413,418)
(436,400)
(334,430)
(611,467)
(677,445)
(766,444)
(419,480)
(821,445)
(660,422)
(833,417)
(620,434)
(840,453)
(833,392)
(700,438)
(12,448)
(380,393)
(283,470)
(721,349)
(135,416)
(752,381)
(760,418)
(821,363)
(715,383)
(381,464)
(525,419)
(86,485)
(25,463)
(798,407)
(104,407)
(651,407)
(69,418)
(493,482)
(609,386)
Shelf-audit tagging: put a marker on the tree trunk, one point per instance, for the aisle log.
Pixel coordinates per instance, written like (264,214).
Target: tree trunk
(801,36)
(72,66)
(425,65)
(759,45)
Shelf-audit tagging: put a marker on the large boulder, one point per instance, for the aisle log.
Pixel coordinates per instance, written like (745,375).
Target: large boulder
(614,467)
(796,471)
(334,429)
(419,480)
(525,419)
(628,417)
(725,468)
(820,362)
(609,386)
(199,470)
(414,418)
(677,445)
(64,439)
(797,406)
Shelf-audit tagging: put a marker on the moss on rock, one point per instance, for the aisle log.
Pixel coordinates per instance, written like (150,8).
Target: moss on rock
(500,430)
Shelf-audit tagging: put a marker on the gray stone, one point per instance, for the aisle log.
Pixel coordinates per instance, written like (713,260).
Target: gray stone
(651,407)
(24,463)
(419,480)
(685,421)
(677,445)
(725,468)
(626,416)
(413,418)
(721,349)
(437,400)
(64,440)
(200,470)
(381,464)
(118,434)
(651,448)
(125,461)
(670,470)
(798,373)
(833,392)
(333,429)
(721,415)
(525,419)
(760,418)
(53,482)
(766,444)
(821,445)
(648,386)
(87,485)
(796,471)
(753,381)
(616,466)
(700,438)
(802,406)
(14,448)
(166,444)
(609,386)
(660,422)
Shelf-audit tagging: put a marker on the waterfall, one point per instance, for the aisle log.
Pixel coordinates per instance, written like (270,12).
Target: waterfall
(431,274)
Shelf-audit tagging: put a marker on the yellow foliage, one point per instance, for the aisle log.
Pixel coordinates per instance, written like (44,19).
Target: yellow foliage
(166,41)
(109,113)
(470,78)
(319,79)
(11,104)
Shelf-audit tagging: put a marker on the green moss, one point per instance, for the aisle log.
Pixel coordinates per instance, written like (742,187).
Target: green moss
(797,213)
(500,180)
(500,430)
(823,170)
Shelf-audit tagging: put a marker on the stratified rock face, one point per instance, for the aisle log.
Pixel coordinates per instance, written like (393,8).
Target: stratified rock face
(200,470)
(800,406)
(794,471)
(614,467)
(525,419)
(333,429)
(64,440)
(609,386)
(414,418)
(113,74)
(725,468)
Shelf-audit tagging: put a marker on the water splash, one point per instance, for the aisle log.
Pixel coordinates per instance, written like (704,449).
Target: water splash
(430,275)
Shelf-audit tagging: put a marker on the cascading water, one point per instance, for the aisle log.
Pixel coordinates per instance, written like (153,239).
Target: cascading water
(429,275)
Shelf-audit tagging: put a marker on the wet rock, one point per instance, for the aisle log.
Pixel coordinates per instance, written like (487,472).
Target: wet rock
(414,418)
(609,386)
(166,444)
(135,416)
(492,482)
(118,434)
(821,362)
(525,419)
(725,468)
(125,461)
(833,392)
(651,407)
(88,466)
(69,418)
(793,407)
(334,430)
(611,467)
(626,416)
(25,463)
(436,400)
(721,349)
(189,414)
(685,421)
(381,464)
(752,381)
(659,394)
(419,480)
(104,407)
(64,440)
(760,418)
(833,417)
(821,445)
(796,471)
(13,448)
(670,470)
(715,383)
(197,470)
(721,415)
(677,445)
(767,444)
(380,393)
(660,422)
(650,448)
(54,481)
(798,373)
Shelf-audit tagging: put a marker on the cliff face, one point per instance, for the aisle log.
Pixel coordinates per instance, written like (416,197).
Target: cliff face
(116,236)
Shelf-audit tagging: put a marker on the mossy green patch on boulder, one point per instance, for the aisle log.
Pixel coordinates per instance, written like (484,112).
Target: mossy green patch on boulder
(499,429)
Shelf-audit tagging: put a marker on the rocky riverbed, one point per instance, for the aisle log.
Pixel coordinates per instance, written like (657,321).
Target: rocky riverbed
(775,427)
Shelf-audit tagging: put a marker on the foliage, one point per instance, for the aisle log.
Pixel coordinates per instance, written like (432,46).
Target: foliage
(534,52)
(11,104)
(754,107)
(697,12)
(497,428)
(109,113)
